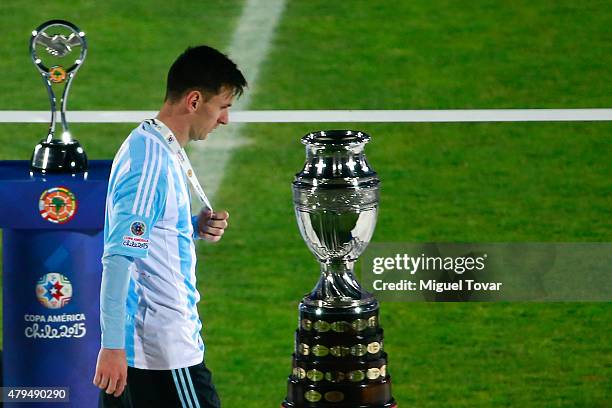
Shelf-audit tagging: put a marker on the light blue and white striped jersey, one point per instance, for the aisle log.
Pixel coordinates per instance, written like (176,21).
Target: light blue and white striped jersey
(148,217)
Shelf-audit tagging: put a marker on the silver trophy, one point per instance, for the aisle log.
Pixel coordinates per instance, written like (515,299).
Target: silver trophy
(58,49)
(338,357)
(336,205)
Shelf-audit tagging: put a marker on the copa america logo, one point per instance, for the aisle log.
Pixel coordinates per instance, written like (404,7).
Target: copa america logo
(138,228)
(54,290)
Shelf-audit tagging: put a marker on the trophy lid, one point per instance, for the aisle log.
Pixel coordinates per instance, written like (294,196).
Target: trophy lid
(340,138)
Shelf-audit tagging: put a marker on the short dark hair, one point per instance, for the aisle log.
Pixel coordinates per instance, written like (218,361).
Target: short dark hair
(205,69)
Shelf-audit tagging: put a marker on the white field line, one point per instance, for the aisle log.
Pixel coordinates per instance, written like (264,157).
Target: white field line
(249,47)
(330,116)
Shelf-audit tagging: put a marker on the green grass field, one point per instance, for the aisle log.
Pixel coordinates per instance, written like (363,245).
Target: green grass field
(487,182)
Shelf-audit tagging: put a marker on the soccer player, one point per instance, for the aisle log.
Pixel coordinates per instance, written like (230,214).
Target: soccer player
(152,353)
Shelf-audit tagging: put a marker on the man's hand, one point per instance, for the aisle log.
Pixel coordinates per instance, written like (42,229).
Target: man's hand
(212,225)
(111,371)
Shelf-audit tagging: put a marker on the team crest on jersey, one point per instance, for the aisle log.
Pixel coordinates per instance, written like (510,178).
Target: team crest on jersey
(57,205)
(54,290)
(138,228)
(57,74)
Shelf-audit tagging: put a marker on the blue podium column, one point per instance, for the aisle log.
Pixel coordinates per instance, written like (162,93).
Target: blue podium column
(52,244)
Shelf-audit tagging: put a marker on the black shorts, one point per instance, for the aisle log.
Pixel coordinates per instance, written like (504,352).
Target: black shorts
(189,387)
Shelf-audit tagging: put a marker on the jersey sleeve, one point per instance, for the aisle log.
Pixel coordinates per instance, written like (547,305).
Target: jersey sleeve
(113,294)
(137,199)
(194,224)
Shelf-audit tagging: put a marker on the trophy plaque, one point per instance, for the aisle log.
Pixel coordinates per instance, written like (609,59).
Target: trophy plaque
(339,358)
(58,49)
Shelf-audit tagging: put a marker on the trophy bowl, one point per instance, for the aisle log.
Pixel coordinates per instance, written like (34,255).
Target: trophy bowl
(336,204)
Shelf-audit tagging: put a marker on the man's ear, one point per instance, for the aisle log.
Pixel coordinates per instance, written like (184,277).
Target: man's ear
(193,100)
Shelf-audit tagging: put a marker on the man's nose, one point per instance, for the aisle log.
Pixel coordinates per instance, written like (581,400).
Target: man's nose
(224,118)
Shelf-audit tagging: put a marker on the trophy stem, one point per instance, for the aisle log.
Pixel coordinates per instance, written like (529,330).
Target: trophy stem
(66,136)
(338,287)
(53,103)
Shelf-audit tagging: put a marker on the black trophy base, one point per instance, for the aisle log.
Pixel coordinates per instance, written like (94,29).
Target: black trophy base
(339,360)
(59,157)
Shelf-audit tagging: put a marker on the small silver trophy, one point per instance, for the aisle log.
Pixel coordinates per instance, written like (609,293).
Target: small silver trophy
(338,358)
(58,49)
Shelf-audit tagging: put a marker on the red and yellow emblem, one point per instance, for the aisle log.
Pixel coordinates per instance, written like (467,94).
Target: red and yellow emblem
(57,205)
(57,74)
